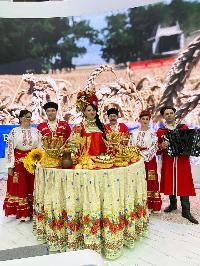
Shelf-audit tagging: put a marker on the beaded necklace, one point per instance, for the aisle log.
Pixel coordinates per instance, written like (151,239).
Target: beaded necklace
(90,123)
(90,126)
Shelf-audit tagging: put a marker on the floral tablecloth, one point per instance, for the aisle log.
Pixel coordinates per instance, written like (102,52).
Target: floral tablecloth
(91,209)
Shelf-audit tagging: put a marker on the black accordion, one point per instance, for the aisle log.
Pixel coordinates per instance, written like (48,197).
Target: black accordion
(183,142)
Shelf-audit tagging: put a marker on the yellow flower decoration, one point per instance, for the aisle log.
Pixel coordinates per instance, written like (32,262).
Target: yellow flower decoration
(32,158)
(36,155)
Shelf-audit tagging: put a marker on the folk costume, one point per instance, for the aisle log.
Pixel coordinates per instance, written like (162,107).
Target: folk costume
(176,176)
(118,127)
(19,196)
(89,128)
(147,142)
(55,128)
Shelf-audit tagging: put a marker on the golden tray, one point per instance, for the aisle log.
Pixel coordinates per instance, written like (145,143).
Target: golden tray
(122,158)
(103,165)
(103,162)
(121,164)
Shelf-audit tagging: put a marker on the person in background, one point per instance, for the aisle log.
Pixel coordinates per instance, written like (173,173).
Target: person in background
(54,127)
(113,125)
(20,183)
(146,140)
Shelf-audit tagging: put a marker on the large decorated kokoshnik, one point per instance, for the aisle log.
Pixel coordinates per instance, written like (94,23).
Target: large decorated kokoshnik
(85,98)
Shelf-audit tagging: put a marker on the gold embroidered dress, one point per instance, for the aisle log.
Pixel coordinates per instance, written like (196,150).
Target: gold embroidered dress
(90,129)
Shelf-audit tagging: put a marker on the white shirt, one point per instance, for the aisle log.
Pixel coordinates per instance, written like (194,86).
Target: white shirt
(147,140)
(22,139)
(52,124)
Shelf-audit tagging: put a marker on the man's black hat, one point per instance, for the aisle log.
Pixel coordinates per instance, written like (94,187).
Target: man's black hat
(50,105)
(112,111)
(162,110)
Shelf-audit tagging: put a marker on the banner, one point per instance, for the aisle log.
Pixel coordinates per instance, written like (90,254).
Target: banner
(4,131)
(151,63)
(66,8)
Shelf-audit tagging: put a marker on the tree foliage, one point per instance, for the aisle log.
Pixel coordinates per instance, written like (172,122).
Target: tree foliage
(126,34)
(43,39)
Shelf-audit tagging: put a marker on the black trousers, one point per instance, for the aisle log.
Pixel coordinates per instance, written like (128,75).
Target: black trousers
(185,202)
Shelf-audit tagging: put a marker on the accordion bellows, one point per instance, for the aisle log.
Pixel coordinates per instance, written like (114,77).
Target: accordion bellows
(183,142)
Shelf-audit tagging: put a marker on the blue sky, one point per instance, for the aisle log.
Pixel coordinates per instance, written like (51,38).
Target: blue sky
(93,56)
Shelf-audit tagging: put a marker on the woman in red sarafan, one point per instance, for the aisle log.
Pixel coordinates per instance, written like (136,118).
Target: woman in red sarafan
(91,126)
(20,184)
(146,140)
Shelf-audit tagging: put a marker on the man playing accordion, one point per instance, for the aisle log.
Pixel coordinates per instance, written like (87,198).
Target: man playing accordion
(176,177)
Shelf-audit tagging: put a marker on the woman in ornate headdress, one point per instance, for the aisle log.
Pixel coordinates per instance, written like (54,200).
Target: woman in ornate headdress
(20,184)
(147,141)
(91,125)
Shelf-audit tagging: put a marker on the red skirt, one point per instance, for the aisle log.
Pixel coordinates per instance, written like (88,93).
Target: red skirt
(154,201)
(19,196)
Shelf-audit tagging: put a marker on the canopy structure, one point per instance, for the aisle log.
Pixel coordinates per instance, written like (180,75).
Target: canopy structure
(65,8)
(167,40)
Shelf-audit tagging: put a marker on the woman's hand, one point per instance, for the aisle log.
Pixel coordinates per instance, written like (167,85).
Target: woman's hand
(11,171)
(164,145)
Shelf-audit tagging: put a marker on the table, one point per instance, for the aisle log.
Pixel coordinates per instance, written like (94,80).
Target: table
(100,210)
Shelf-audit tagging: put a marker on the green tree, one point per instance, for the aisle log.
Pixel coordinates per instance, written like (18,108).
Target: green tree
(43,39)
(116,39)
(187,14)
(125,37)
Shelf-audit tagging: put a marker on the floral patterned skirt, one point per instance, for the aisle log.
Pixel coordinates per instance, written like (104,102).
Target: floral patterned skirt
(102,210)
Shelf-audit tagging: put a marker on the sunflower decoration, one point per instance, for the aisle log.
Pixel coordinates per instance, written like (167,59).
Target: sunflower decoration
(30,167)
(36,155)
(32,158)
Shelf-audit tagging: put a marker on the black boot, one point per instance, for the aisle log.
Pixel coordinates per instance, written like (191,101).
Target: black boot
(173,204)
(185,203)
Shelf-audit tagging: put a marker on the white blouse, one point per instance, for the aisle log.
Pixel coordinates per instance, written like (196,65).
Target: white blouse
(22,139)
(147,140)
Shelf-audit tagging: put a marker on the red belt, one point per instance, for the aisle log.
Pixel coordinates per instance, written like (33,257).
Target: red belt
(142,149)
(22,152)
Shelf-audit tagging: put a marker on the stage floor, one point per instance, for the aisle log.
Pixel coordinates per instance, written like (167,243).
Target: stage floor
(171,241)
(168,243)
